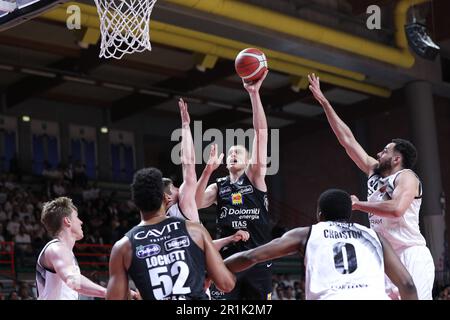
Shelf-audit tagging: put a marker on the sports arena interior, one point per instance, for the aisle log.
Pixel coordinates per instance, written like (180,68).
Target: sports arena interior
(74,124)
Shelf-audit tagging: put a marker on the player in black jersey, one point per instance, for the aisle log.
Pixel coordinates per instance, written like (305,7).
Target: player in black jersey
(167,258)
(242,203)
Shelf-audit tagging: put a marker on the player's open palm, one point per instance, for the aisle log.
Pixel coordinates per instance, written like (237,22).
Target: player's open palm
(214,161)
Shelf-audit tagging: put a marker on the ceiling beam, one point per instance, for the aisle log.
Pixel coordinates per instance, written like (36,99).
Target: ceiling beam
(191,80)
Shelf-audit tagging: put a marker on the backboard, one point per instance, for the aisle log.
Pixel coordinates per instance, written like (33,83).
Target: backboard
(14,12)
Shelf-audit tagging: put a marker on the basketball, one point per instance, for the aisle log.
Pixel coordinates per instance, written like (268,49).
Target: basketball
(250,64)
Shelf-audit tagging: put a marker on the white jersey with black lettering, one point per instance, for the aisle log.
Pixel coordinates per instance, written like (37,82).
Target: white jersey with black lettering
(402,232)
(49,284)
(344,261)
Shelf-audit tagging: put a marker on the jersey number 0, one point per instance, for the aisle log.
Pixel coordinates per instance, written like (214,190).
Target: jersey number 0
(344,257)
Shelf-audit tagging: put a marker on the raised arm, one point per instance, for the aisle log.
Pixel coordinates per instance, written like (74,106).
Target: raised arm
(291,242)
(206,196)
(406,189)
(188,187)
(398,274)
(60,259)
(343,133)
(258,163)
(118,277)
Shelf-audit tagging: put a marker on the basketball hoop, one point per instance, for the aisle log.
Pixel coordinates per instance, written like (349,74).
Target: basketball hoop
(125,26)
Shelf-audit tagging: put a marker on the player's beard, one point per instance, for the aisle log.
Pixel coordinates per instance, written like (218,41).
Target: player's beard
(383,167)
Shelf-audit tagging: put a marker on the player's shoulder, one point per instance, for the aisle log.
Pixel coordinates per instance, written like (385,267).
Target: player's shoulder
(55,247)
(122,245)
(57,250)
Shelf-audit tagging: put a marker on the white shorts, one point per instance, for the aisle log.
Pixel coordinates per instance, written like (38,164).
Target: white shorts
(419,263)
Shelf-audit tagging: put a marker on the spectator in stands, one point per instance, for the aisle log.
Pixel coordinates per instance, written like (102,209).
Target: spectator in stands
(3,215)
(13,296)
(23,211)
(24,292)
(289,293)
(68,171)
(23,247)
(28,226)
(3,195)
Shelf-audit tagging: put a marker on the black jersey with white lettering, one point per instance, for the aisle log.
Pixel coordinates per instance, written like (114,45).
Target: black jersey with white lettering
(241,206)
(166,263)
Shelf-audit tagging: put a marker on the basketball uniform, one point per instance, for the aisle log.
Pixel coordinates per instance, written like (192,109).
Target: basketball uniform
(404,235)
(175,211)
(166,263)
(344,261)
(49,284)
(242,206)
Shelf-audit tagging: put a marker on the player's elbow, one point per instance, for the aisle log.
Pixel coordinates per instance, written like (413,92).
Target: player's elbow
(398,211)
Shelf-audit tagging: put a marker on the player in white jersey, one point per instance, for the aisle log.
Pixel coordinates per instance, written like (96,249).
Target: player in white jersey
(394,196)
(58,276)
(343,260)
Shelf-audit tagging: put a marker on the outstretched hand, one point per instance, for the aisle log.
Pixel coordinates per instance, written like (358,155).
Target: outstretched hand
(240,235)
(214,161)
(315,88)
(185,118)
(253,87)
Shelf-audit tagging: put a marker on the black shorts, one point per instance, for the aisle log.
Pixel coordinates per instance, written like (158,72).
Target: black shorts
(252,284)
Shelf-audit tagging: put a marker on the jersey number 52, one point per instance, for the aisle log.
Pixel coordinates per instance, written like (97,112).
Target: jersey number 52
(163,282)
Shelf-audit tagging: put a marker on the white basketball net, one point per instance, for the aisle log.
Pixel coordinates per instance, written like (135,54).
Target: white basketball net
(125,26)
